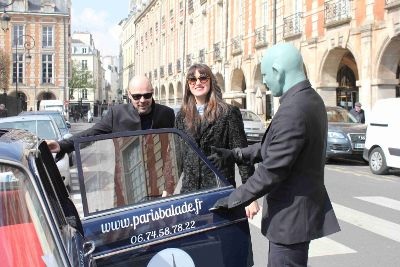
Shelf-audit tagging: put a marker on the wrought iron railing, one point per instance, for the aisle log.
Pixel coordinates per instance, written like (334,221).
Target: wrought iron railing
(236,45)
(217,52)
(261,37)
(337,11)
(292,25)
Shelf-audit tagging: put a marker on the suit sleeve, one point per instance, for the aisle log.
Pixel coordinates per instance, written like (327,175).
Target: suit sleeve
(104,126)
(285,140)
(237,138)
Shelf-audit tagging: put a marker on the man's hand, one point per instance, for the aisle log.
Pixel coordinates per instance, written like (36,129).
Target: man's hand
(53,146)
(221,157)
(252,209)
(220,204)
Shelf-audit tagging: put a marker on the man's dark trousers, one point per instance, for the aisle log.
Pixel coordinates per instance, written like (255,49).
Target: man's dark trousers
(294,255)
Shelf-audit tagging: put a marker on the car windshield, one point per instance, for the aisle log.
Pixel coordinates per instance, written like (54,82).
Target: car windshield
(42,128)
(25,235)
(340,115)
(249,116)
(59,120)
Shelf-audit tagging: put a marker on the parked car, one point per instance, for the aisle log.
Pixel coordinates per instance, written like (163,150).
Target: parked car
(129,206)
(346,136)
(44,127)
(253,126)
(62,124)
(382,145)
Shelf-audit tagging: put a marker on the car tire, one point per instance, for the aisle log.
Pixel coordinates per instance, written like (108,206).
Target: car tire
(377,161)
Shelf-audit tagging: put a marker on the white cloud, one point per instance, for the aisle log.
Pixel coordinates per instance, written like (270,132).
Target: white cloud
(105,33)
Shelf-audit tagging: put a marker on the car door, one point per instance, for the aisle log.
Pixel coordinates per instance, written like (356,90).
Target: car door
(135,210)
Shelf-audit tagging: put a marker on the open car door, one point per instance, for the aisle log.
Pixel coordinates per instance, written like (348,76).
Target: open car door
(136,207)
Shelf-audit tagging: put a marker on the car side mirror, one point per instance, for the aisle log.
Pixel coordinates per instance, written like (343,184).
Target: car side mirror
(68,124)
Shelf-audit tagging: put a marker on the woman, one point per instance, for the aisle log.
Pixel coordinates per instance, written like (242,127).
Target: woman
(210,121)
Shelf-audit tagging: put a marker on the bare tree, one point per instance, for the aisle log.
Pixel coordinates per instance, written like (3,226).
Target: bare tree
(4,70)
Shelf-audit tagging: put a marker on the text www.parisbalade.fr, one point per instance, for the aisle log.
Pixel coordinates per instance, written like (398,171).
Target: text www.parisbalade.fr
(152,216)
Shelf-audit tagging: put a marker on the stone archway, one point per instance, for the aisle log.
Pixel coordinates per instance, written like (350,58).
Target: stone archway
(339,76)
(267,101)
(220,81)
(237,94)
(387,72)
(44,96)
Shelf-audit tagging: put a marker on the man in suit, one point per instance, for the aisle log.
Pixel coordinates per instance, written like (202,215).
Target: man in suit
(290,174)
(143,113)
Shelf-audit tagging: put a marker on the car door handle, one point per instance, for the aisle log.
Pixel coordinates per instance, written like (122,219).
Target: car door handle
(220,204)
(88,248)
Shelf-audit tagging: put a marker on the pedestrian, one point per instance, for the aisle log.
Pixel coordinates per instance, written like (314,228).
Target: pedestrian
(358,112)
(209,121)
(291,156)
(3,111)
(125,117)
(76,115)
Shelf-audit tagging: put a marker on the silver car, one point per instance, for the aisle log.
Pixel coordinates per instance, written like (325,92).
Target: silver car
(253,126)
(44,127)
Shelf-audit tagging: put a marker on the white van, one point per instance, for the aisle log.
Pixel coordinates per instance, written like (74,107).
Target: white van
(57,105)
(382,144)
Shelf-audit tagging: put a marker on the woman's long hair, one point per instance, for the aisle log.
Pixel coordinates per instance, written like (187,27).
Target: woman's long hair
(215,105)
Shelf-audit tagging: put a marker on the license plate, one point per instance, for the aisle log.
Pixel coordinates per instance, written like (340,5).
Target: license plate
(359,145)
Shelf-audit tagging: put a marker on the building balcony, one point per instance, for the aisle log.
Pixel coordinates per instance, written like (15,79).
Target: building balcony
(217,52)
(390,4)
(170,69)
(236,45)
(292,25)
(337,12)
(261,37)
(202,56)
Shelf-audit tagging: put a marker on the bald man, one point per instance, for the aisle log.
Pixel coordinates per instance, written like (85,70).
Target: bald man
(142,113)
(152,115)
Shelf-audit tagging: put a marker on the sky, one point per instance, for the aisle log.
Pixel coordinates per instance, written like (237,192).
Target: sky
(101,18)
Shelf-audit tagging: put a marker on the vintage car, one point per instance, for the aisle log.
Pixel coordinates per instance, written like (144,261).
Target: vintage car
(127,207)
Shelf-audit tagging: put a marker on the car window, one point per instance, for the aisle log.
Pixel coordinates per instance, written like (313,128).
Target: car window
(43,129)
(25,235)
(249,116)
(340,115)
(59,121)
(136,169)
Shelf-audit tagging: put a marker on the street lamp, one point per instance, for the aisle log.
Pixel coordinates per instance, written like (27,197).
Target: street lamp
(4,17)
(29,43)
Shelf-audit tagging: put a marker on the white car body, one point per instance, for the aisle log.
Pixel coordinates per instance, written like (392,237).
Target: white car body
(44,127)
(382,144)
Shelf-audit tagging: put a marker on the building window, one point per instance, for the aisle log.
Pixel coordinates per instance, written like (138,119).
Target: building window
(47,36)
(47,68)
(84,64)
(18,67)
(84,50)
(190,6)
(18,32)
(84,94)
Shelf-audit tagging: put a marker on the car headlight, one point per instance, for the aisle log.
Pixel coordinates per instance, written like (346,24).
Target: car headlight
(336,135)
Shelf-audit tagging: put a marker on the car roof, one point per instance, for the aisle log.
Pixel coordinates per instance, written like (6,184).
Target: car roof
(13,142)
(39,112)
(27,118)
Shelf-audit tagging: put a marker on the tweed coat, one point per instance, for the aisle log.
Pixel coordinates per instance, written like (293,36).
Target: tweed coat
(226,132)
